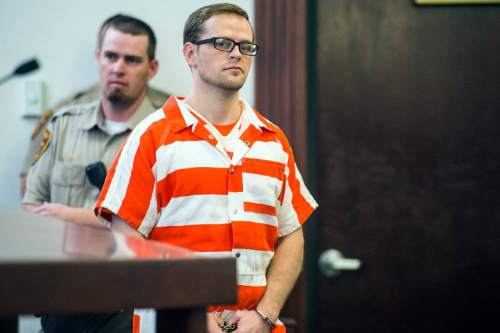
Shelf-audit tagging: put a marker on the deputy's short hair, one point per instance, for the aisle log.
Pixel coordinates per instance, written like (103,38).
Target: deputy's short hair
(129,25)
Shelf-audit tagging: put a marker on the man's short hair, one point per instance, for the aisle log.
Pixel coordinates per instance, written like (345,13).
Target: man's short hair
(194,24)
(129,25)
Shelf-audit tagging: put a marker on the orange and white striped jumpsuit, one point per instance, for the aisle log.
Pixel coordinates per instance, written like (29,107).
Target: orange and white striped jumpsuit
(177,181)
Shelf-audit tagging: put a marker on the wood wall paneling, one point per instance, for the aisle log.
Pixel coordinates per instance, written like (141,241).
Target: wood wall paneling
(281,96)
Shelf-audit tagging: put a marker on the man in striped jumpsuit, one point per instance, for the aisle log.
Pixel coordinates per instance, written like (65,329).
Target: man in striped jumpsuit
(209,173)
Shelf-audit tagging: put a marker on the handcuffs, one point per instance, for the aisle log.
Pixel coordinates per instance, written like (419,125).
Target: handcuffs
(226,327)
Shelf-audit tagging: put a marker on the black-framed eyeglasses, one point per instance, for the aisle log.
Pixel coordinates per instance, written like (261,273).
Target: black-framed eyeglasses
(227,45)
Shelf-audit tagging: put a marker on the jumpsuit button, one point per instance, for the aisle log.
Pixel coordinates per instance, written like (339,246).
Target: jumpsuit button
(237,254)
(235,211)
(211,137)
(231,171)
(247,143)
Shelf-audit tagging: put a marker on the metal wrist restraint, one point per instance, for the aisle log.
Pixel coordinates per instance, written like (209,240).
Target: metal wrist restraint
(266,319)
(228,328)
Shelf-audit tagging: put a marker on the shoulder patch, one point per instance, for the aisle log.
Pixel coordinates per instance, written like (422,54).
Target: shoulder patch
(42,122)
(46,140)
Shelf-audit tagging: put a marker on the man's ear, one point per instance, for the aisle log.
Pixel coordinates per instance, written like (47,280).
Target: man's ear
(189,54)
(97,54)
(153,68)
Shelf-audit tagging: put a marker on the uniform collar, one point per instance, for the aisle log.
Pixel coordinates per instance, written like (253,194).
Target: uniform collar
(95,117)
(180,117)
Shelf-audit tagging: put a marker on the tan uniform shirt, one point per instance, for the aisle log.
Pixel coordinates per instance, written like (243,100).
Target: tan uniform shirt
(91,94)
(79,137)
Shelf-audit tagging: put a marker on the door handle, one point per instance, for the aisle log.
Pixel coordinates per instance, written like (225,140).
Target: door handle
(332,263)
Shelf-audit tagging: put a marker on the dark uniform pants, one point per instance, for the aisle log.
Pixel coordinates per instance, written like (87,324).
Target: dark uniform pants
(120,322)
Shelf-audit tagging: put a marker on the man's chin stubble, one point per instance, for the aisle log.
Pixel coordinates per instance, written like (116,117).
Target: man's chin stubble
(119,100)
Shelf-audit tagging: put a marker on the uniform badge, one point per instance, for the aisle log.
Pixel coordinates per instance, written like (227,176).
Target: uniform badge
(47,138)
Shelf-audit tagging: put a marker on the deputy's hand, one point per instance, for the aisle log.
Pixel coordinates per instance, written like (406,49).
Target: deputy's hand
(250,321)
(57,210)
(66,213)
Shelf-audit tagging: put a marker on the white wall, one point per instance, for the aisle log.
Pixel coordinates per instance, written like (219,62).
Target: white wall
(62,35)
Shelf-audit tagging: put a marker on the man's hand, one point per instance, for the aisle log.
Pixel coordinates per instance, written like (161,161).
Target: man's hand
(66,213)
(212,326)
(250,321)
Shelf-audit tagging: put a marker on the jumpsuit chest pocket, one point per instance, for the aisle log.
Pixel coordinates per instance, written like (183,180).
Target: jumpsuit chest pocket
(262,186)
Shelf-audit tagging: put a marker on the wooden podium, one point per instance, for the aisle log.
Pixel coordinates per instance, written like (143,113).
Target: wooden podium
(48,266)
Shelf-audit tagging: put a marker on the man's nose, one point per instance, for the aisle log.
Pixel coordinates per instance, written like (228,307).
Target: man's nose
(119,66)
(235,53)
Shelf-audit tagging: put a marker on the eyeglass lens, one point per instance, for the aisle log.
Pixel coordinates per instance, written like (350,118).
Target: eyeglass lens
(228,45)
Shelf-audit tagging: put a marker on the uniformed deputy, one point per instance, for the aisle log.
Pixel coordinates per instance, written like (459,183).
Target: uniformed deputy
(91,134)
(90,94)
(78,136)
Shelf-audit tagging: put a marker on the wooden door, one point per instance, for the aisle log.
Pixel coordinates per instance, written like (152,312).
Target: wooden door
(408,165)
